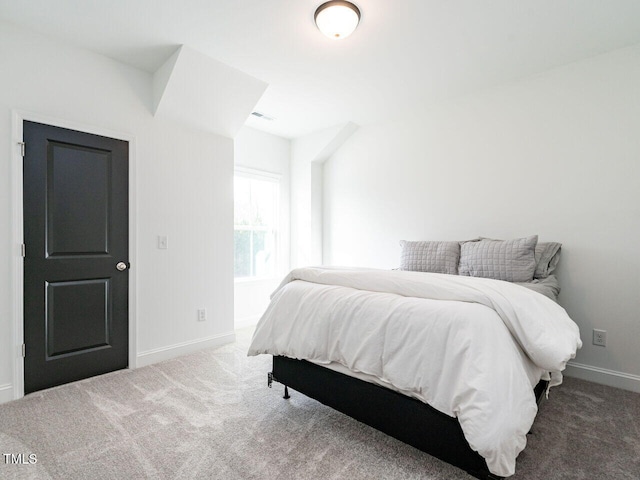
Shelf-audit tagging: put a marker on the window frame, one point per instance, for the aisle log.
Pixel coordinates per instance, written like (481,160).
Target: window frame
(265,176)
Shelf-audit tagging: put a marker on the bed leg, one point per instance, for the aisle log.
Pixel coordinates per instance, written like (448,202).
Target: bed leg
(286,393)
(269,379)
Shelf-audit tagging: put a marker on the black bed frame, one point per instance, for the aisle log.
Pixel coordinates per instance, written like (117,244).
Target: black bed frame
(397,415)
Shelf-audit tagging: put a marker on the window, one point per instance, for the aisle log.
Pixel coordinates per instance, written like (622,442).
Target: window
(255,223)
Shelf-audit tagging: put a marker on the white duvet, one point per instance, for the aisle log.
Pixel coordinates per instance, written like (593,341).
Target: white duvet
(472,348)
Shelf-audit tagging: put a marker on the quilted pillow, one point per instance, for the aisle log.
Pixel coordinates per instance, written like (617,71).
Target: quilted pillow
(435,257)
(509,260)
(547,257)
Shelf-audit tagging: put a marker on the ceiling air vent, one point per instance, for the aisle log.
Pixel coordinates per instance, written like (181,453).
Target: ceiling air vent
(262,116)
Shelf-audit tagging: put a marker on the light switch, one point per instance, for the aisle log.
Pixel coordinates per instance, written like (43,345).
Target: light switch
(163,242)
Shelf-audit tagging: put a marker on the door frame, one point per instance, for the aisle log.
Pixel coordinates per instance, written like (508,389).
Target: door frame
(17,235)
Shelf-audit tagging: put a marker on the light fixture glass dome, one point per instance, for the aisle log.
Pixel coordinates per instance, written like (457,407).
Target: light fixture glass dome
(337,19)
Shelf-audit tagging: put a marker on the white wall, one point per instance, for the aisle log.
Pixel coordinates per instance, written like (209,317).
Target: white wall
(556,155)
(306,237)
(269,153)
(308,154)
(184,190)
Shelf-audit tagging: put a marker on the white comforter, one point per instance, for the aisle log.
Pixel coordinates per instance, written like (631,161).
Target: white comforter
(472,348)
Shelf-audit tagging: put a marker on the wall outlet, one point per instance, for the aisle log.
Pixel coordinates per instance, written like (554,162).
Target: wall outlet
(202,314)
(600,337)
(163,242)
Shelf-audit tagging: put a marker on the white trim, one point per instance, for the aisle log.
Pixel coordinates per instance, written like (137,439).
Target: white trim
(165,353)
(6,393)
(611,378)
(257,174)
(17,265)
(17,271)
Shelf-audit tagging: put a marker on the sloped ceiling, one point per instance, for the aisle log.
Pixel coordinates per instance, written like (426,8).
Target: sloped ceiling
(197,90)
(405,56)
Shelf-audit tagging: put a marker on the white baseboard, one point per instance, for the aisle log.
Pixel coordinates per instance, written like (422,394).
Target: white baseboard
(172,351)
(604,376)
(6,393)
(246,322)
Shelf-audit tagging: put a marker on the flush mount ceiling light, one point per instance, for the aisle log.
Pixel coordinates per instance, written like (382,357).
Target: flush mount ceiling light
(337,19)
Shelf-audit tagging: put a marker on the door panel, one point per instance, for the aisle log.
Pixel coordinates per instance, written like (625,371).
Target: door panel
(77,173)
(78,317)
(75,231)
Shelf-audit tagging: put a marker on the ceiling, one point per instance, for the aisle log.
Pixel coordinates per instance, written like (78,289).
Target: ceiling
(405,56)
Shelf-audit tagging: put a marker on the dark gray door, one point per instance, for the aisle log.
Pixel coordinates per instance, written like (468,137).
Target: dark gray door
(76,196)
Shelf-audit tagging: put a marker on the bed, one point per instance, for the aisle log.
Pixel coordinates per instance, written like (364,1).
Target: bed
(453,364)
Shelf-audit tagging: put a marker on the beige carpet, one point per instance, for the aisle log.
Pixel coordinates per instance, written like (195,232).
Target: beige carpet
(210,415)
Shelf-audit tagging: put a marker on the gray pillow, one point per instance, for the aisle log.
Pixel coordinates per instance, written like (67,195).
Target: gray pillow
(547,257)
(509,260)
(435,257)
(546,286)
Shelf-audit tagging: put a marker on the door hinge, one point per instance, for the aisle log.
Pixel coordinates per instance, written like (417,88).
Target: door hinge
(24,350)
(23,250)
(22,148)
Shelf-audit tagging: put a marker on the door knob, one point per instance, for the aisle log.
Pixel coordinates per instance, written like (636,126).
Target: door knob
(121,266)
